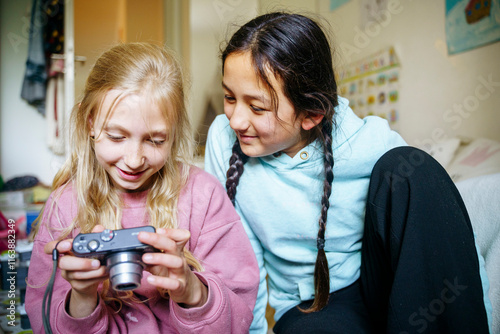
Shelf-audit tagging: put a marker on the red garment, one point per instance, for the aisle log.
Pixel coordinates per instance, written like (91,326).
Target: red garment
(218,241)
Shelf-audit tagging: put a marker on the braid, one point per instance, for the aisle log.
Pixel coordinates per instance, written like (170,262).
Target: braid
(321,271)
(233,174)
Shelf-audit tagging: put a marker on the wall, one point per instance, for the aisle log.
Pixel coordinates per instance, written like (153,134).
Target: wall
(441,95)
(299,6)
(147,22)
(211,23)
(103,23)
(100,24)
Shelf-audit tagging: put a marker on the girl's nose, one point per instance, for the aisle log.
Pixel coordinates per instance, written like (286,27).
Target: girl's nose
(134,157)
(239,118)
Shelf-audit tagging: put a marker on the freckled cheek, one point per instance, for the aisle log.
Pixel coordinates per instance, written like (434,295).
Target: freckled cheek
(107,154)
(158,158)
(264,128)
(228,110)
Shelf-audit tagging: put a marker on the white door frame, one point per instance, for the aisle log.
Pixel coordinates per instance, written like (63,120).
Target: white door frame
(69,66)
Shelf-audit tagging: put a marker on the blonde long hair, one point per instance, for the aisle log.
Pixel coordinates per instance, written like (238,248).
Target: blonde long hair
(131,68)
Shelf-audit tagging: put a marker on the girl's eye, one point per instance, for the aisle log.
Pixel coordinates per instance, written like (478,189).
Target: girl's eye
(229,98)
(257,109)
(115,137)
(156,142)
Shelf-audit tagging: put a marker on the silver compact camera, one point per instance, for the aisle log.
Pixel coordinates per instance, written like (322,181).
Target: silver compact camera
(120,251)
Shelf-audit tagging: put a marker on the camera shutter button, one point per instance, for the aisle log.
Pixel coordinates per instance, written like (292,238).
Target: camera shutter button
(93,245)
(107,235)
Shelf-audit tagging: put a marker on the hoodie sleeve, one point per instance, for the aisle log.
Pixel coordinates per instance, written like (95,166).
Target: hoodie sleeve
(219,148)
(40,270)
(230,269)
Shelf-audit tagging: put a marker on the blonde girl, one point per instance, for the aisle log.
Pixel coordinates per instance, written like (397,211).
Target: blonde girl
(129,167)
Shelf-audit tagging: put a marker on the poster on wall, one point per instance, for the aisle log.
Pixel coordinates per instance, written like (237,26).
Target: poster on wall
(372,86)
(370,10)
(334,4)
(471,23)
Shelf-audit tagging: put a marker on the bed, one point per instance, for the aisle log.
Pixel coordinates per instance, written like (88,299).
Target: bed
(474,166)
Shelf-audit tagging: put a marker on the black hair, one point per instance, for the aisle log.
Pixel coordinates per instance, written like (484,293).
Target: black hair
(296,51)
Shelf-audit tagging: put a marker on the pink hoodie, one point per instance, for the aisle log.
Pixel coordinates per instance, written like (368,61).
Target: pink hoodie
(218,241)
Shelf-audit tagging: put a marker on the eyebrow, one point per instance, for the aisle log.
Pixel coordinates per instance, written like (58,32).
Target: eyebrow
(260,98)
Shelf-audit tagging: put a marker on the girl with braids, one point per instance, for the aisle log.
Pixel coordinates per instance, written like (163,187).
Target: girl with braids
(130,167)
(338,253)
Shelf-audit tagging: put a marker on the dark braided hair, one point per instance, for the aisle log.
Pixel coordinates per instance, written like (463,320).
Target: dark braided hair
(296,51)
(236,162)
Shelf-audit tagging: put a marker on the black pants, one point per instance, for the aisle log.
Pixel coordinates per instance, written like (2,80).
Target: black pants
(419,266)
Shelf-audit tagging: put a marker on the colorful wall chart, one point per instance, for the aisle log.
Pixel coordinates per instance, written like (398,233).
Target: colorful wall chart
(372,85)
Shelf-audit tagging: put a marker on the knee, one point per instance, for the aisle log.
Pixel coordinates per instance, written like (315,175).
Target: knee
(407,162)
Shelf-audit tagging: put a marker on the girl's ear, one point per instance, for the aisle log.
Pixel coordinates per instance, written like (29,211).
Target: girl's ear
(311,120)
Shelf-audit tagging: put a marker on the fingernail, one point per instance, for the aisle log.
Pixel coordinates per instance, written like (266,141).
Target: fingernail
(144,235)
(65,244)
(151,279)
(96,264)
(161,231)
(147,257)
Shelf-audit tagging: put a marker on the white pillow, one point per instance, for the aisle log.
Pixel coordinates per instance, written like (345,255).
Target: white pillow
(443,151)
(480,157)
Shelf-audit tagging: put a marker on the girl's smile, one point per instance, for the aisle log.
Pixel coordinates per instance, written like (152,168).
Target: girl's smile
(245,139)
(131,176)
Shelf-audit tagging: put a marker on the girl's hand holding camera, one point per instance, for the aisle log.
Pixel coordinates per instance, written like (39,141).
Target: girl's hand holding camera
(83,274)
(169,268)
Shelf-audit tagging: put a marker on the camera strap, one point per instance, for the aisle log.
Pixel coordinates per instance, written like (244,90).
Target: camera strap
(47,297)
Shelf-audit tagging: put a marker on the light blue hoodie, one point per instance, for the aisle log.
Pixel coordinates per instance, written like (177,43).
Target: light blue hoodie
(279,201)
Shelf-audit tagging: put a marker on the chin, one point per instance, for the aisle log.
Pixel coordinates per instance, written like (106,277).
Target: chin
(251,153)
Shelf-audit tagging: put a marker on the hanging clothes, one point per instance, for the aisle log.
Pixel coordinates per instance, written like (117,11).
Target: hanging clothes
(54,110)
(46,36)
(35,77)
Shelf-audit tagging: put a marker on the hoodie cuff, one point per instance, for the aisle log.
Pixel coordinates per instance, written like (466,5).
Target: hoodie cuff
(205,314)
(93,323)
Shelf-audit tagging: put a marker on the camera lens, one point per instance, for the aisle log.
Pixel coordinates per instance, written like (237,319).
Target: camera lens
(125,270)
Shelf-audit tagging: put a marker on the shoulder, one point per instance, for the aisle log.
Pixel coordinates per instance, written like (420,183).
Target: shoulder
(199,176)
(220,132)
(202,187)
(371,131)
(64,197)
(220,123)
(204,204)
(218,150)
(361,141)
(58,213)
